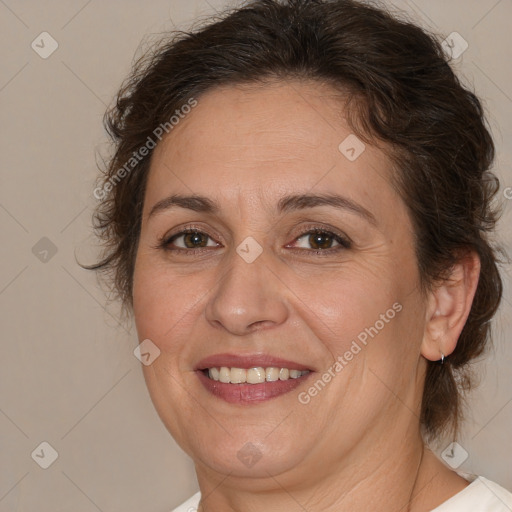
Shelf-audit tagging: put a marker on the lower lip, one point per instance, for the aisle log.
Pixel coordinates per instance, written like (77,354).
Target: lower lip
(249,393)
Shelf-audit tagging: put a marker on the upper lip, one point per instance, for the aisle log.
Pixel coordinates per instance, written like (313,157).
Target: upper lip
(248,361)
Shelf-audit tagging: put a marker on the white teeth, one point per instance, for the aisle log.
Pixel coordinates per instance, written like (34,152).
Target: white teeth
(284,374)
(271,374)
(238,375)
(255,375)
(225,375)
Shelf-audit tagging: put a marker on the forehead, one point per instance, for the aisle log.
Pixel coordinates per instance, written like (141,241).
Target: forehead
(267,140)
(284,120)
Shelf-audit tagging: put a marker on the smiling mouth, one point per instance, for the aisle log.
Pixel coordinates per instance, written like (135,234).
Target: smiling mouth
(256,375)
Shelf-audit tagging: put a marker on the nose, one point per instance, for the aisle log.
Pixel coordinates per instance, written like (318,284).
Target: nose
(247,297)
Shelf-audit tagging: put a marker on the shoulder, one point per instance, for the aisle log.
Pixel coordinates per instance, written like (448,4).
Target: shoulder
(190,505)
(482,495)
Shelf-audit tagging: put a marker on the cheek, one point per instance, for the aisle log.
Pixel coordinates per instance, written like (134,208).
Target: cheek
(344,304)
(159,302)
(369,326)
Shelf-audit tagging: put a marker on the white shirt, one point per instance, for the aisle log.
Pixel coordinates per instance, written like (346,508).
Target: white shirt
(481,495)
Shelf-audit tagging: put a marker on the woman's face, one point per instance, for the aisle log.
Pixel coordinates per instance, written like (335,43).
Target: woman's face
(303,259)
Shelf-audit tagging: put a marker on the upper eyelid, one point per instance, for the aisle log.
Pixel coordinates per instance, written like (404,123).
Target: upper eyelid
(323,231)
(299,221)
(186,231)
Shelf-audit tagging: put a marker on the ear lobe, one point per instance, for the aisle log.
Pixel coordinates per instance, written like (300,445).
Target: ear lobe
(449,306)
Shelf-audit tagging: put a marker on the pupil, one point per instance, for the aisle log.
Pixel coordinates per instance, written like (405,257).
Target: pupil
(320,241)
(194,240)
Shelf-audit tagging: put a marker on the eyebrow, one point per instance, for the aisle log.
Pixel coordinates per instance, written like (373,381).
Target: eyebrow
(202,204)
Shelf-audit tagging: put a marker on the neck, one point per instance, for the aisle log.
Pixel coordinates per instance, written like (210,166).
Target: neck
(387,474)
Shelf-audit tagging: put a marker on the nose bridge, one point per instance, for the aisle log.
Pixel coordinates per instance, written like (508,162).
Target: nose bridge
(246,294)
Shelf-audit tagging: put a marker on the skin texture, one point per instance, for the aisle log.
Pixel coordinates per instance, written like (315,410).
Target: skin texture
(356,445)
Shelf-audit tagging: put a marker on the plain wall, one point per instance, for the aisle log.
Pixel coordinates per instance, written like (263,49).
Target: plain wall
(68,375)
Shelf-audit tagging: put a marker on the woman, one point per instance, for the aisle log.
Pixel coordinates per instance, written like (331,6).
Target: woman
(297,214)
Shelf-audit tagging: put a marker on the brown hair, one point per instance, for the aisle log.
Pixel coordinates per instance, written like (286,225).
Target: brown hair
(402,92)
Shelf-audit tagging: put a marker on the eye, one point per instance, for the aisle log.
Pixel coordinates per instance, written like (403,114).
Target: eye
(321,240)
(189,239)
(316,240)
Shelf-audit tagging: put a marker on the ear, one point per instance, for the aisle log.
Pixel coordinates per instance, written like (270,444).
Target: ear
(448,308)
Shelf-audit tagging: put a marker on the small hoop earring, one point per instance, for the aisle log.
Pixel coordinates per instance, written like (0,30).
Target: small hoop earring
(442,358)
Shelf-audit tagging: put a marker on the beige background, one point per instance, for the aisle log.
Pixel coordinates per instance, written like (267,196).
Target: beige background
(68,375)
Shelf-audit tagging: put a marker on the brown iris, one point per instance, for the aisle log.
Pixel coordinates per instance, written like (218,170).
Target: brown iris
(192,240)
(320,240)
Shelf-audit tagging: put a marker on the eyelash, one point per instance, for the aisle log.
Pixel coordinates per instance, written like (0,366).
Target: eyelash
(343,241)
